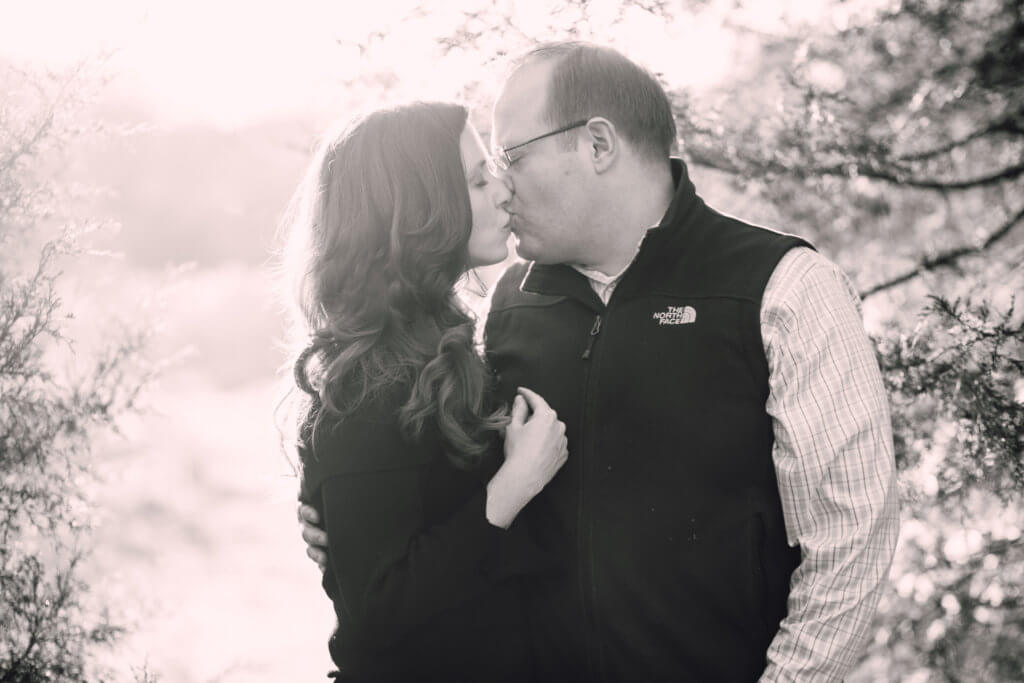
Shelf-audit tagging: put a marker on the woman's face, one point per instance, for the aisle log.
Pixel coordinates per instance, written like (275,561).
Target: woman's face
(488,242)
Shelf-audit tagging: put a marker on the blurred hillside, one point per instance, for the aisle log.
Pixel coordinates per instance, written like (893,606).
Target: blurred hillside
(194,193)
(197,209)
(198,550)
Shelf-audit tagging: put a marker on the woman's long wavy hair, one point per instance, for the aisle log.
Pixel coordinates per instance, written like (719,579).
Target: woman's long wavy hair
(377,240)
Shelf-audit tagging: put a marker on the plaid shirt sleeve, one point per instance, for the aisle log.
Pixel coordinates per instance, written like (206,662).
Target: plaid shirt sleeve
(833,456)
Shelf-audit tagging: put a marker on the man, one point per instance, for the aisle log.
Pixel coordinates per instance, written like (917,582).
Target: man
(729,508)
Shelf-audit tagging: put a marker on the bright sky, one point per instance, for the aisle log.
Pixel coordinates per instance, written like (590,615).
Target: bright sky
(212,61)
(231,62)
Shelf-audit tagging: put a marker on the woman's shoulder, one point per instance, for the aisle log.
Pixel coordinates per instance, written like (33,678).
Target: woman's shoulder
(368,439)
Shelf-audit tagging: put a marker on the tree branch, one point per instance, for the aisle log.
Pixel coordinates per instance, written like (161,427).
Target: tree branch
(876,173)
(945,258)
(709,160)
(1008,124)
(28,143)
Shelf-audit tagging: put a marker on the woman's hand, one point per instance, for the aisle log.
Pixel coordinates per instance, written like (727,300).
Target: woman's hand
(535,449)
(314,535)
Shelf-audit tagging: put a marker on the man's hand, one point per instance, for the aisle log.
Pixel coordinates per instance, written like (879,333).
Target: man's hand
(313,535)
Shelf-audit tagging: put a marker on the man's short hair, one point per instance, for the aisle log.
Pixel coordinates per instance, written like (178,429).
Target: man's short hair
(591,80)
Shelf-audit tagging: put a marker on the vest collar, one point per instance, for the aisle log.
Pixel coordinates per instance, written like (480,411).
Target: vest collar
(563,280)
(560,280)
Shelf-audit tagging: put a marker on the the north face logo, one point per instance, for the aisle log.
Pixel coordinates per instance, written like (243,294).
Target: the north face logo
(676,315)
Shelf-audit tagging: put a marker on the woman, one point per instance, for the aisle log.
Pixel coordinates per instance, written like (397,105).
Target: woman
(400,446)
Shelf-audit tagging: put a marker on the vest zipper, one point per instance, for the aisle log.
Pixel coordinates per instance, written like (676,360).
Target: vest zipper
(593,648)
(594,331)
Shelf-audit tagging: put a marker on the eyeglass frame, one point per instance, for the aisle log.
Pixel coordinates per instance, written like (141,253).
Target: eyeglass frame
(501,161)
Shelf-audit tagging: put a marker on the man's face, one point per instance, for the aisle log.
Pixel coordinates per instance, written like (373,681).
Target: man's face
(548,204)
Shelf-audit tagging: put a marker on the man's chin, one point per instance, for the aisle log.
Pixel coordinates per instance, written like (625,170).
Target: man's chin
(525,248)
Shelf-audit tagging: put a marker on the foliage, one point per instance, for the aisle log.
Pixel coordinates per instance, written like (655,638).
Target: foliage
(49,412)
(913,117)
(964,363)
(955,385)
(906,129)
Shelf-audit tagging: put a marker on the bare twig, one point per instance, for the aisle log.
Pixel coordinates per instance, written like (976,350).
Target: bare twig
(1008,124)
(709,159)
(945,258)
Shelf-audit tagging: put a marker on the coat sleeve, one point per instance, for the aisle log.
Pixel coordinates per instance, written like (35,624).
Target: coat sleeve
(395,572)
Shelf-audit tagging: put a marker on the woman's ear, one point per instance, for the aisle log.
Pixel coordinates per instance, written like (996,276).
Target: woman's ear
(602,143)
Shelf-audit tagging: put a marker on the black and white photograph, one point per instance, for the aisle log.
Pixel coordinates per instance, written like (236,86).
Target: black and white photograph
(512,341)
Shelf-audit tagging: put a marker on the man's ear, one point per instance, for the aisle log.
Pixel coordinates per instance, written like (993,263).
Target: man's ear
(602,143)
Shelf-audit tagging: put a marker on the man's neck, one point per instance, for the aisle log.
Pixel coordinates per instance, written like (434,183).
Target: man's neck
(625,223)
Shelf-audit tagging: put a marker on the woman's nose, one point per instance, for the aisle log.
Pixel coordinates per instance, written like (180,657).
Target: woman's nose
(501,189)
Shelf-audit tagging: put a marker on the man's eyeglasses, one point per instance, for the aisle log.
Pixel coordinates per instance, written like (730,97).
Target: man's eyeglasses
(501,160)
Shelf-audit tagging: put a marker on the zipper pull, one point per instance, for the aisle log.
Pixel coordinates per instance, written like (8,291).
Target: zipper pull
(594,331)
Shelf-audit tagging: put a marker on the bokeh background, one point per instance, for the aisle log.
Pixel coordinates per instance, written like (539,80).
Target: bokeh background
(168,137)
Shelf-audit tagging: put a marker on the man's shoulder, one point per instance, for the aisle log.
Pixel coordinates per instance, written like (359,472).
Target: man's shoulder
(801,262)
(802,268)
(740,235)
(806,282)
(725,256)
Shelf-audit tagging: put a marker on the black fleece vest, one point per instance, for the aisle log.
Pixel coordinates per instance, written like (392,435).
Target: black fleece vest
(667,517)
